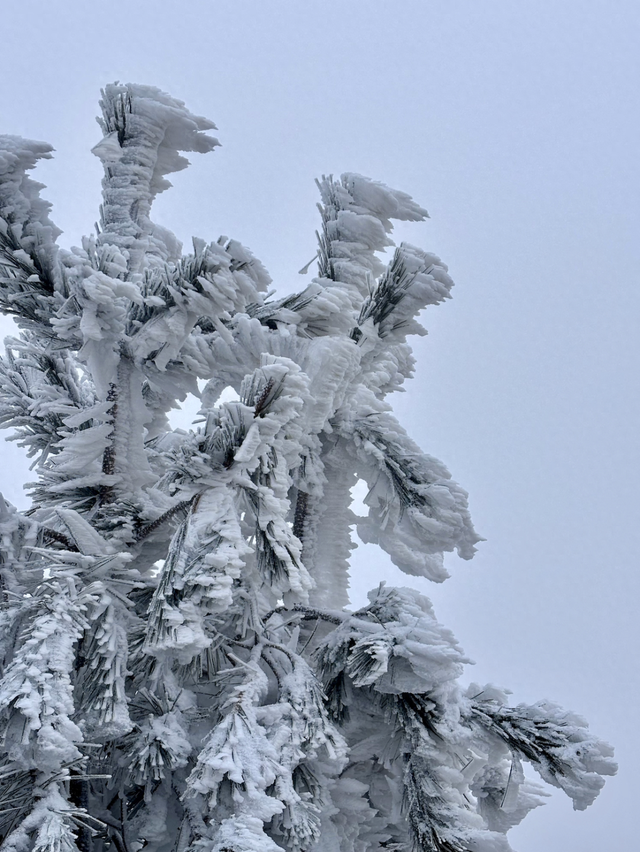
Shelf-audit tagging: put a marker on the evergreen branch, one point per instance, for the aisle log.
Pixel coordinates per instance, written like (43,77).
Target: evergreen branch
(430,820)
(51,535)
(178,509)
(387,294)
(557,743)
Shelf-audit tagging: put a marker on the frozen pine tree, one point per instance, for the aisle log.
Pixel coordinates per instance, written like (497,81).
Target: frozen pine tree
(179,669)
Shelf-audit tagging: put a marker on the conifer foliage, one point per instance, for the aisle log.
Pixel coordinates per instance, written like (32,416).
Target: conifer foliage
(179,669)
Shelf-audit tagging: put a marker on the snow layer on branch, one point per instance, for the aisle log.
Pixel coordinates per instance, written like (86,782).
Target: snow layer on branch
(36,686)
(326,530)
(144,129)
(416,511)
(84,536)
(18,538)
(413,280)
(210,285)
(504,795)
(39,389)
(51,820)
(242,833)
(557,743)
(102,446)
(356,214)
(399,739)
(100,686)
(161,746)
(239,750)
(382,201)
(332,364)
(30,277)
(205,557)
(131,465)
(275,754)
(316,311)
(395,645)
(20,202)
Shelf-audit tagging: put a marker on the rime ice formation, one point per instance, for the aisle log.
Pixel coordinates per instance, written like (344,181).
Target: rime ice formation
(179,671)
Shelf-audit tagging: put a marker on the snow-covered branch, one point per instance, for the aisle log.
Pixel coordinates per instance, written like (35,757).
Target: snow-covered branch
(178,669)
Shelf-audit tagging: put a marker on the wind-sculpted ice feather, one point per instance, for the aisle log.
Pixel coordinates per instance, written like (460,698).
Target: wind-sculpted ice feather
(178,668)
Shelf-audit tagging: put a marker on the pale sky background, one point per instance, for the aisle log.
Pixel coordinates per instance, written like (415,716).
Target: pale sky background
(516,124)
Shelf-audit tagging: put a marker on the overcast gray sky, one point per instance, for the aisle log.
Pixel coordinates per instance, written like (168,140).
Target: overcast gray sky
(516,124)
